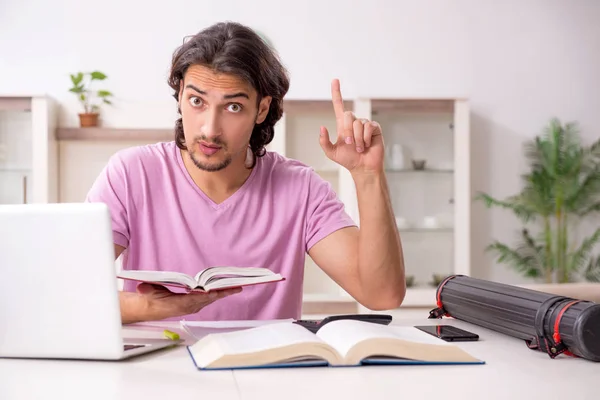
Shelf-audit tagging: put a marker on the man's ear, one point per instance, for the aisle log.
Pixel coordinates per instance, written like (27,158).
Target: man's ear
(263,109)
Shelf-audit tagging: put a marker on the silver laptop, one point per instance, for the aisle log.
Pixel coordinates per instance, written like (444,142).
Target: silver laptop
(58,285)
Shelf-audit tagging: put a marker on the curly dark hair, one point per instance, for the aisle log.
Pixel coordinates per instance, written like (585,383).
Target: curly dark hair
(232,48)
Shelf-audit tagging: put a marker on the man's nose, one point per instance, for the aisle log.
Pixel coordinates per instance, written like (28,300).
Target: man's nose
(212,124)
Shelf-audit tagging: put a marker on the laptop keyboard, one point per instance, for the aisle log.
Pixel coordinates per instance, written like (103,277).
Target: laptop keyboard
(132,346)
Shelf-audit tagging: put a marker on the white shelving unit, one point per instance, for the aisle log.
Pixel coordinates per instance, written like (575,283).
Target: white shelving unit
(28,150)
(432,205)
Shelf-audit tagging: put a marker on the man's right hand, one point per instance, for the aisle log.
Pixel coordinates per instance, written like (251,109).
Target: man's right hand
(155,302)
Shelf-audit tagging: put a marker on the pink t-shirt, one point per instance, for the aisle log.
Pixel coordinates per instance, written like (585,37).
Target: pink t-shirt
(166,222)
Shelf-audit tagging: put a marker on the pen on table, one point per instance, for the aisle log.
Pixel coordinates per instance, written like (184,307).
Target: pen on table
(171,335)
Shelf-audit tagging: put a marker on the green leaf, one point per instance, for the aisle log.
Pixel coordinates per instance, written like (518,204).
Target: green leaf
(591,157)
(514,203)
(579,257)
(76,79)
(82,97)
(592,208)
(76,89)
(97,75)
(104,93)
(107,102)
(584,195)
(520,259)
(592,272)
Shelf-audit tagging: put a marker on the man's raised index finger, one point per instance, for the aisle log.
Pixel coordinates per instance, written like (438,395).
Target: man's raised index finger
(336,98)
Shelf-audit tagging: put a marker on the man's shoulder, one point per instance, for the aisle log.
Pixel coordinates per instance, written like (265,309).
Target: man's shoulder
(280,166)
(144,155)
(292,177)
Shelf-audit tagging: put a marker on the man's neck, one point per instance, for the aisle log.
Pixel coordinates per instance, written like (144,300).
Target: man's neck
(218,185)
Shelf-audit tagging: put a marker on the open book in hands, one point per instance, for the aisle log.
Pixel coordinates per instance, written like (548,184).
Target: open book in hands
(338,343)
(213,278)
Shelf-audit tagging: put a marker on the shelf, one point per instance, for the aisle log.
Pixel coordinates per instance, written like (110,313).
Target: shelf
(413,105)
(115,134)
(15,103)
(302,106)
(15,170)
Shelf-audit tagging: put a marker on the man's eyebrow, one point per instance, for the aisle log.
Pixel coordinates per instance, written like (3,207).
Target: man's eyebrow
(239,94)
(227,96)
(190,86)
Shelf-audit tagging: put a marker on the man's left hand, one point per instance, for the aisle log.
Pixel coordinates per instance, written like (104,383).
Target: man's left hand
(359,146)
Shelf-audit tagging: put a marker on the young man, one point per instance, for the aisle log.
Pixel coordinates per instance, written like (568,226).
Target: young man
(215,196)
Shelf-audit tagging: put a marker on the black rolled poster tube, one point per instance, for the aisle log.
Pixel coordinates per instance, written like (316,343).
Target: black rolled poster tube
(546,322)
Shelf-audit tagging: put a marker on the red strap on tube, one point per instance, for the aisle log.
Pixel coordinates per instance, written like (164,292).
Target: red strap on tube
(556,334)
(439,291)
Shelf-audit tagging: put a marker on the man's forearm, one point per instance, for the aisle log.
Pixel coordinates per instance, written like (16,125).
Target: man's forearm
(133,308)
(380,257)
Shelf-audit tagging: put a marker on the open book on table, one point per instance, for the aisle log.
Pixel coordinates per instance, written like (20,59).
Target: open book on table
(212,278)
(338,343)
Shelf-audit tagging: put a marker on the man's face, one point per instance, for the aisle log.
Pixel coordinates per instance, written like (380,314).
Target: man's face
(219,112)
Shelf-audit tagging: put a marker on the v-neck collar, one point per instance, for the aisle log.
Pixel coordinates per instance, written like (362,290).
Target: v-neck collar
(228,201)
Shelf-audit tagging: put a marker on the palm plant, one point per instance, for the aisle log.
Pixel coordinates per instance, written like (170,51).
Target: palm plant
(562,187)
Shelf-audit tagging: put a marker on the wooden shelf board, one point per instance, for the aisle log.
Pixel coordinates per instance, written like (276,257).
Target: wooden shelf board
(15,170)
(292,106)
(15,103)
(116,134)
(413,105)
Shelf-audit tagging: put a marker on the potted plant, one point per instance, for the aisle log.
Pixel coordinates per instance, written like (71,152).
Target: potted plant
(561,187)
(91,100)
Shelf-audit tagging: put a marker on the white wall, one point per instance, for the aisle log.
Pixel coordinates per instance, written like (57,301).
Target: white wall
(520,63)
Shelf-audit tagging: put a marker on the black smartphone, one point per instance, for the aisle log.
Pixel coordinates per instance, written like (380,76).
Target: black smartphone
(449,333)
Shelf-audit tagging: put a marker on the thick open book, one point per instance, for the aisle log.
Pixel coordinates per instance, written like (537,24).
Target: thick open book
(213,278)
(338,343)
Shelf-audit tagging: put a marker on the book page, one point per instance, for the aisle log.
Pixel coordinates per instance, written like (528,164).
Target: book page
(159,276)
(228,282)
(358,340)
(266,338)
(205,276)
(342,335)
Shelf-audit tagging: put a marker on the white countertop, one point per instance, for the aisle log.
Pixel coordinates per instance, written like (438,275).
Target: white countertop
(512,371)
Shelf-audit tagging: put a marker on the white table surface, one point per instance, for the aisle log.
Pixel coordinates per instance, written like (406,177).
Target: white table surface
(512,372)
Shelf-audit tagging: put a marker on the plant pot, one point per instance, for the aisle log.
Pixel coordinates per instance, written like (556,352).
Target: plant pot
(88,119)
